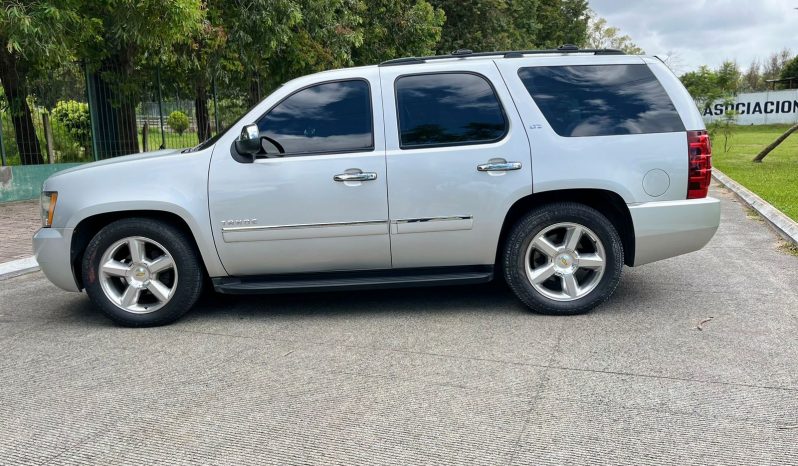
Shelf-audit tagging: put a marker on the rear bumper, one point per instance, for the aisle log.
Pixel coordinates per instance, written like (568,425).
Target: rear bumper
(671,228)
(51,246)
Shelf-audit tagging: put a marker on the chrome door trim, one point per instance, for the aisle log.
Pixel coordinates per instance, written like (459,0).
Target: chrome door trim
(432,224)
(303,225)
(432,219)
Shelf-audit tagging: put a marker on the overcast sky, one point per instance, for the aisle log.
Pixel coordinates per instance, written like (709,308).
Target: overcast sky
(706,31)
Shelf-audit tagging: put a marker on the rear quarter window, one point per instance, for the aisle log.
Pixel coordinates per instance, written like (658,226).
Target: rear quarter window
(601,100)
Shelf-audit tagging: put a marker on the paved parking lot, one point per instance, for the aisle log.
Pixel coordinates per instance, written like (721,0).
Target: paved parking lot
(434,376)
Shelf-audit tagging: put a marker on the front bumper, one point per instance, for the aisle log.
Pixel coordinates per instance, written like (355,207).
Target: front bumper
(671,228)
(51,246)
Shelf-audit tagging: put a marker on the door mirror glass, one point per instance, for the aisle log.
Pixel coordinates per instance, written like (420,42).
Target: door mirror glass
(248,143)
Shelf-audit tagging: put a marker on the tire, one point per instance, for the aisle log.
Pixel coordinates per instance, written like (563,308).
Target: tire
(568,279)
(150,291)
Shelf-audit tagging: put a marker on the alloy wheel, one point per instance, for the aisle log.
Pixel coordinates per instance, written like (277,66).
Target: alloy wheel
(565,261)
(138,275)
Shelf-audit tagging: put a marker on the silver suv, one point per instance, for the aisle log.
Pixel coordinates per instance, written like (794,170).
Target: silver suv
(551,168)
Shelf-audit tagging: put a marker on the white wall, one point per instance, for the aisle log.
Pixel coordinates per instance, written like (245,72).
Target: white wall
(759,108)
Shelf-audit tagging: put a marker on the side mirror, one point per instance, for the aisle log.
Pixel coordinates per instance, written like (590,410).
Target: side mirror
(248,143)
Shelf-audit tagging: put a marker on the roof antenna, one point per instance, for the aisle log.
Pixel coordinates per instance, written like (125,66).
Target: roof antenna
(463,52)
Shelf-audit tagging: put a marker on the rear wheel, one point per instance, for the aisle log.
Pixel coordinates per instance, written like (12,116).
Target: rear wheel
(142,272)
(563,258)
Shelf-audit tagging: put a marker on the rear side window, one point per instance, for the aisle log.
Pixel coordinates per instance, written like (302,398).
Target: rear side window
(327,117)
(601,100)
(448,109)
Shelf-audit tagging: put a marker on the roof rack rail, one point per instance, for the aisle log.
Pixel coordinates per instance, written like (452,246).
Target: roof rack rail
(465,53)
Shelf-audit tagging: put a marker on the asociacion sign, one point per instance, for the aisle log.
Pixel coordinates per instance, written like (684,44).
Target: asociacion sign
(758,108)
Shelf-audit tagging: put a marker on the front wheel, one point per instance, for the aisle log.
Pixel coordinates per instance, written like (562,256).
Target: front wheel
(563,258)
(142,272)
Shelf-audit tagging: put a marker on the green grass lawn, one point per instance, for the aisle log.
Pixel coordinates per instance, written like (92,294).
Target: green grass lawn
(173,140)
(776,178)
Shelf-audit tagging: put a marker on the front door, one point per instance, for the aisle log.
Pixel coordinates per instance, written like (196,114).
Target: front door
(316,199)
(458,158)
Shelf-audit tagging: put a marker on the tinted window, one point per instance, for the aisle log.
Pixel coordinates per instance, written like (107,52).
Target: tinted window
(601,100)
(448,108)
(327,117)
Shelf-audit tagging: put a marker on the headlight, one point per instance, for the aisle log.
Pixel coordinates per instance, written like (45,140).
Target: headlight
(48,207)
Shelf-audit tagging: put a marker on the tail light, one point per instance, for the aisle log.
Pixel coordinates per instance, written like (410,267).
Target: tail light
(699,152)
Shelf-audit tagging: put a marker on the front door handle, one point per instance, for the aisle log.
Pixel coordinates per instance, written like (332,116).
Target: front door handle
(365,176)
(498,166)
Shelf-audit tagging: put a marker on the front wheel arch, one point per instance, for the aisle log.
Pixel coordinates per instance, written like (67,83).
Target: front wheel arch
(87,228)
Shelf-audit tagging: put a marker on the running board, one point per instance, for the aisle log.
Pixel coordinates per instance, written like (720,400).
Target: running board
(332,281)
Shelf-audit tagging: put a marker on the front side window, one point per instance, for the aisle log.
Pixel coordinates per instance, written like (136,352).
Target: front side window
(328,117)
(601,100)
(448,109)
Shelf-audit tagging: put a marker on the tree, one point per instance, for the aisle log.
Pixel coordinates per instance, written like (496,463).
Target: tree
(74,116)
(32,36)
(602,36)
(703,86)
(760,156)
(752,79)
(277,40)
(728,77)
(199,61)
(561,22)
(776,62)
(324,38)
(132,38)
(708,86)
(489,25)
(178,121)
(790,70)
(398,28)
(478,25)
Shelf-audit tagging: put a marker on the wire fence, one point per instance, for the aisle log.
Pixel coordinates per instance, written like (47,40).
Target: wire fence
(84,112)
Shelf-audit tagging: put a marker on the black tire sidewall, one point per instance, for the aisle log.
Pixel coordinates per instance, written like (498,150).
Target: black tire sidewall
(541,218)
(176,242)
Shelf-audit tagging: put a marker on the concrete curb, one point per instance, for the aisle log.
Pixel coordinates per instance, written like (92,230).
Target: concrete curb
(18,267)
(786,227)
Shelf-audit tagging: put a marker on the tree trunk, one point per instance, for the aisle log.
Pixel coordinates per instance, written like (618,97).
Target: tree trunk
(254,90)
(201,110)
(14,87)
(115,109)
(774,144)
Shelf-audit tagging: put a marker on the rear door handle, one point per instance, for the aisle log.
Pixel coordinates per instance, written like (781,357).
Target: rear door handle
(498,166)
(366,176)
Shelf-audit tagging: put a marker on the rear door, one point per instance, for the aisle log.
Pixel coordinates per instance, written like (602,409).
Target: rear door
(457,158)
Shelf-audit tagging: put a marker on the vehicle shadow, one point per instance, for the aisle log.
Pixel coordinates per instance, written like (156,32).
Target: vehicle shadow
(493,298)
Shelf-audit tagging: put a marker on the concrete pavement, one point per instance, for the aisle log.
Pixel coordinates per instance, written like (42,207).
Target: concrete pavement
(18,222)
(437,376)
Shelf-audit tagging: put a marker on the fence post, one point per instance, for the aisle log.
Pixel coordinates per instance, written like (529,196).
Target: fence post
(2,145)
(92,109)
(145,136)
(48,137)
(215,107)
(160,107)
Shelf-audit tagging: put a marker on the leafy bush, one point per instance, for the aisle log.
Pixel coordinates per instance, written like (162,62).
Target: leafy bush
(178,121)
(74,117)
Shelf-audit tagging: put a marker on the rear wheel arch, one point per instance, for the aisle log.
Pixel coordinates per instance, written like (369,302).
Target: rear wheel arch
(87,228)
(608,203)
